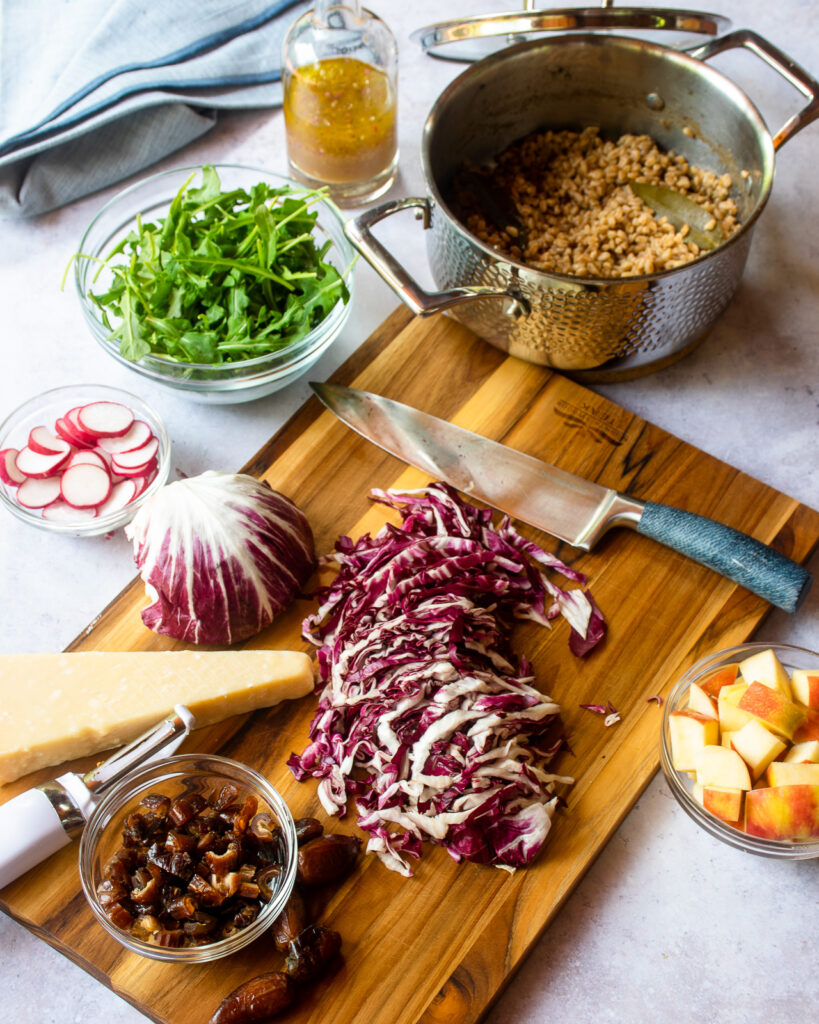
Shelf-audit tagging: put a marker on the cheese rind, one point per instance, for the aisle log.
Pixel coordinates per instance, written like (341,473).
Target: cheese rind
(55,707)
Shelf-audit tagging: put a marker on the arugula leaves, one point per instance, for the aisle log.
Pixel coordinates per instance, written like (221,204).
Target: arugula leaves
(223,277)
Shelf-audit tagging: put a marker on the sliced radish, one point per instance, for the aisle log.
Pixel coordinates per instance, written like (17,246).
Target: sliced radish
(104,455)
(87,457)
(72,418)
(34,464)
(122,494)
(138,434)
(41,440)
(38,492)
(141,482)
(9,473)
(64,429)
(98,459)
(126,462)
(62,512)
(146,470)
(85,486)
(105,419)
(144,480)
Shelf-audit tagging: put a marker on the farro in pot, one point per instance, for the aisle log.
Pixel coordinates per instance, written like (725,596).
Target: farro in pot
(593,325)
(576,213)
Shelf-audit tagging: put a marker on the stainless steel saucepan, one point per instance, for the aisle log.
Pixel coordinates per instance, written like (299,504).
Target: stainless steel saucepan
(595,329)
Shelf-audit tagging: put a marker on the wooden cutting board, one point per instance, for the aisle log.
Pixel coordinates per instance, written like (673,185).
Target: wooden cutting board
(437,948)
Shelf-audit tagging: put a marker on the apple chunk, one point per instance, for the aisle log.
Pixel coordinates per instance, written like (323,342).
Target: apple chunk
(805,687)
(718,766)
(725,676)
(803,753)
(690,732)
(758,772)
(809,729)
(783,812)
(723,802)
(756,746)
(773,709)
(767,669)
(730,717)
(788,773)
(699,700)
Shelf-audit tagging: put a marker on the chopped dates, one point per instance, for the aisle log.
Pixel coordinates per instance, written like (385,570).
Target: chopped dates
(310,952)
(309,947)
(192,869)
(327,859)
(291,922)
(257,1000)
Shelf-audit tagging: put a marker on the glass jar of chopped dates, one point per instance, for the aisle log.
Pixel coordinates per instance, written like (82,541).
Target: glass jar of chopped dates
(189,859)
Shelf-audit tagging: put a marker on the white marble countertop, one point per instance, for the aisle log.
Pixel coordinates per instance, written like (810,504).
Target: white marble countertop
(668,923)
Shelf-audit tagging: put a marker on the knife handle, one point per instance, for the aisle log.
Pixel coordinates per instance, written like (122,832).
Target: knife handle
(732,554)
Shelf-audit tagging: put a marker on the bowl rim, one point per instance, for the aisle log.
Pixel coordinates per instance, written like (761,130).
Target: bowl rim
(113,520)
(143,778)
(788,849)
(152,365)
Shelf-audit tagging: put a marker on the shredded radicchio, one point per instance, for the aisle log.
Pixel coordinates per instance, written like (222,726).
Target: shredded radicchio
(423,718)
(611,713)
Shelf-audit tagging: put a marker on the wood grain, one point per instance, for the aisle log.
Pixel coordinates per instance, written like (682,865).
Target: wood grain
(439,947)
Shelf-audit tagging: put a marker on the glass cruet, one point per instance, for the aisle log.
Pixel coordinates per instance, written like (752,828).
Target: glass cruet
(339,71)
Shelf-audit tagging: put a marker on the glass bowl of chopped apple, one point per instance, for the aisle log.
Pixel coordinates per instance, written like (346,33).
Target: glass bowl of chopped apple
(223,282)
(740,748)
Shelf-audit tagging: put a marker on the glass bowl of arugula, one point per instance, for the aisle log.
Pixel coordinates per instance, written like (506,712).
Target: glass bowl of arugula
(224,282)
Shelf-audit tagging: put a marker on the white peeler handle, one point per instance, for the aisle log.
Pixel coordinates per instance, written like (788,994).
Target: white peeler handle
(30,831)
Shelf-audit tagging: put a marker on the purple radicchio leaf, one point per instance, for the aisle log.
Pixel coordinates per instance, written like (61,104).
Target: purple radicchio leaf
(221,555)
(595,631)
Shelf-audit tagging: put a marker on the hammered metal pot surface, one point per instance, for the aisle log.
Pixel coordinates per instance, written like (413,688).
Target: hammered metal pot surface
(596,329)
(634,326)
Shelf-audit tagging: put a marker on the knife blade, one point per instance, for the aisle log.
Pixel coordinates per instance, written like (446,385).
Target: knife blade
(569,507)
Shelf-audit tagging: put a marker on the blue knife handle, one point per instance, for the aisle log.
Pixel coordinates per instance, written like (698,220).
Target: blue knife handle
(735,555)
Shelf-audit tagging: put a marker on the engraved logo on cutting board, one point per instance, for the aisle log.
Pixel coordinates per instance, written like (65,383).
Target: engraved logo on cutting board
(596,422)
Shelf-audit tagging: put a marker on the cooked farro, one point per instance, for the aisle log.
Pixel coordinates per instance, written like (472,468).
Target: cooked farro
(576,213)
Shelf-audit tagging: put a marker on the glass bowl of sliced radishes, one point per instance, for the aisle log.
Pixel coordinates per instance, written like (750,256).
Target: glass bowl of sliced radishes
(81,459)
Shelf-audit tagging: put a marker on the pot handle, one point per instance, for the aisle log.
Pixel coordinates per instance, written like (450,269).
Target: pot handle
(420,301)
(780,62)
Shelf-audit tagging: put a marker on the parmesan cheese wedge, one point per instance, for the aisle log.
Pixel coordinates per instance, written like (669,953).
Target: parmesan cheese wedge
(54,707)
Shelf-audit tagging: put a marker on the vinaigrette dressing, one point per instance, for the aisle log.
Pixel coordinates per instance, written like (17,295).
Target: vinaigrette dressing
(340,115)
(340,66)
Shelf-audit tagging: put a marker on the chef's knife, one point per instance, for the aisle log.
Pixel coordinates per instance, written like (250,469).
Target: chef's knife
(566,506)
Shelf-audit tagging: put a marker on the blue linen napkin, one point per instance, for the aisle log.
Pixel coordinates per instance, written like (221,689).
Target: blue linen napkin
(93,90)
